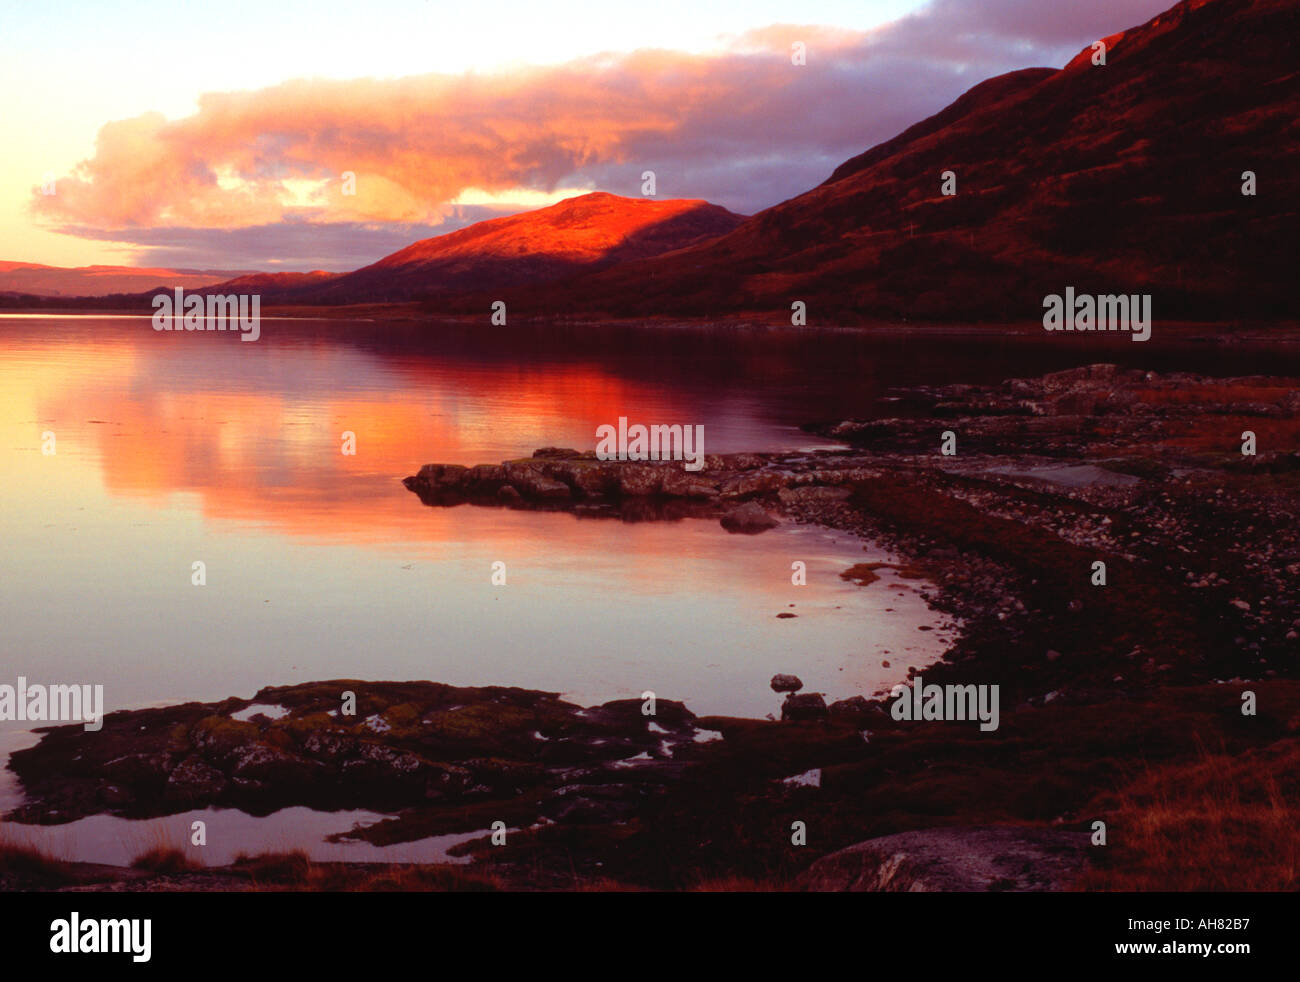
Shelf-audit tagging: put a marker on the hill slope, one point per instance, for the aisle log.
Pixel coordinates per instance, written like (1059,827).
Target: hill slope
(591,231)
(100,281)
(1125,177)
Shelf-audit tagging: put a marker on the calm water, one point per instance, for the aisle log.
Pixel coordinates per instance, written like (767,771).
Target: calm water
(177,448)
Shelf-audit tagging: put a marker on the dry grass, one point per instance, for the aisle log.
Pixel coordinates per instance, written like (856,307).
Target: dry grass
(164,859)
(1218,823)
(736,884)
(30,861)
(292,867)
(408,879)
(296,871)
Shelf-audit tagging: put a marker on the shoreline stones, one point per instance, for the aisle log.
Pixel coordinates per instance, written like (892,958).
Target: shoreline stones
(803,707)
(409,745)
(749,519)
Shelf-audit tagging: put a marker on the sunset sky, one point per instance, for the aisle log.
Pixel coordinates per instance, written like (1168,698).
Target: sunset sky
(193,135)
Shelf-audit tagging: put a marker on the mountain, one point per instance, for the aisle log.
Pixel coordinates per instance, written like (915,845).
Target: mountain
(1123,177)
(271,283)
(100,281)
(591,231)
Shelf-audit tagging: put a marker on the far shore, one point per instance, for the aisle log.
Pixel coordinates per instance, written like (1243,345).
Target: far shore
(409,314)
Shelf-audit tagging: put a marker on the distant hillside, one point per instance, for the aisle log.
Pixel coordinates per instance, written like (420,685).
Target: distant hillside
(591,231)
(271,283)
(1125,177)
(101,281)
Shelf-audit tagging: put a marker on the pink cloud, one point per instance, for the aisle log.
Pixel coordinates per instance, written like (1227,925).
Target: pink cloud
(742,126)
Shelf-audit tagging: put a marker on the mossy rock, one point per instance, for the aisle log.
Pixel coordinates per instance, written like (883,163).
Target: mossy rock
(486,726)
(216,736)
(300,727)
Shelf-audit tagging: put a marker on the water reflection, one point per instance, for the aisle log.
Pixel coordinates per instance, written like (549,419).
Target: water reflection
(175,449)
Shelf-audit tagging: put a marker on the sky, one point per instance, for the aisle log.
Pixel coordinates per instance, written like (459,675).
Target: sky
(195,135)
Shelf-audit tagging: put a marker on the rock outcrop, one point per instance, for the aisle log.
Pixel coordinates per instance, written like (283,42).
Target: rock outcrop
(954,860)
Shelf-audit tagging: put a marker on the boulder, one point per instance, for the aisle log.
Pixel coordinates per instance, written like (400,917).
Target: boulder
(806,706)
(192,779)
(786,683)
(532,482)
(443,475)
(687,484)
(273,767)
(972,859)
(593,479)
(749,519)
(856,710)
(637,480)
(136,769)
(750,483)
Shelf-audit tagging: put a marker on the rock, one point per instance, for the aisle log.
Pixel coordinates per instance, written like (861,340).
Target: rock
(640,480)
(115,796)
(136,769)
(1072,377)
(193,779)
(1076,403)
(750,483)
(593,479)
(808,706)
(486,477)
(544,488)
(748,519)
(592,804)
(532,482)
(736,461)
(273,767)
(423,749)
(856,710)
(387,766)
(815,495)
(973,859)
(685,484)
(786,683)
(443,475)
(217,738)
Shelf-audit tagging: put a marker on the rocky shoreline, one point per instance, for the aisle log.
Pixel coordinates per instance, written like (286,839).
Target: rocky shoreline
(1141,472)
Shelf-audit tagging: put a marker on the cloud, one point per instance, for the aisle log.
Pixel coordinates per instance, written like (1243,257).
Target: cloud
(740,126)
(289,244)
